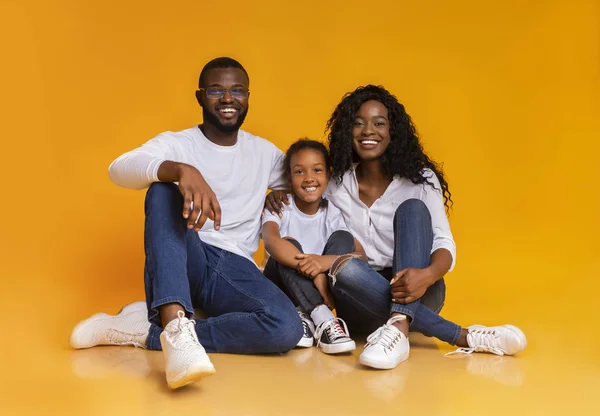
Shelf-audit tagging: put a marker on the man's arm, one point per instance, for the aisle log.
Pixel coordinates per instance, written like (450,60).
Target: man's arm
(150,163)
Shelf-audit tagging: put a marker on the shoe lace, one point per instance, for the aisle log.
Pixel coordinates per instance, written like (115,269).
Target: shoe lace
(186,336)
(384,334)
(480,340)
(333,328)
(117,337)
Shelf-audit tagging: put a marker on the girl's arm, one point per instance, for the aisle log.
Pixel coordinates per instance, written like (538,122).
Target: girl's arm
(282,251)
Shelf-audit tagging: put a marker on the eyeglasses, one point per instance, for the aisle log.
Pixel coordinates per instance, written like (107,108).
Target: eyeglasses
(219,92)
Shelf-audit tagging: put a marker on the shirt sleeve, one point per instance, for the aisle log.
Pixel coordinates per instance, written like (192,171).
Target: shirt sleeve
(268,217)
(277,178)
(138,168)
(432,197)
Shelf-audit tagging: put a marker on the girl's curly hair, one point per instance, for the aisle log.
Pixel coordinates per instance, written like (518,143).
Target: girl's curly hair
(404,155)
(302,144)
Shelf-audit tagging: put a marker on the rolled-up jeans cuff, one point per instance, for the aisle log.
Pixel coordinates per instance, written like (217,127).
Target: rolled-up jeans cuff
(456,336)
(399,308)
(154,316)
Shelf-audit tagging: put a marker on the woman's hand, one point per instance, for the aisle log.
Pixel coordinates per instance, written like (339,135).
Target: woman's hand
(409,285)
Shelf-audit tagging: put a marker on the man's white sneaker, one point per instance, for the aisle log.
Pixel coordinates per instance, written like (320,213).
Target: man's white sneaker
(386,347)
(307,339)
(333,337)
(129,327)
(185,358)
(499,340)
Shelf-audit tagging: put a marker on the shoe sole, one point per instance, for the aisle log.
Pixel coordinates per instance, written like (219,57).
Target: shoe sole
(520,335)
(516,331)
(382,365)
(76,344)
(338,348)
(191,376)
(74,341)
(305,343)
(133,307)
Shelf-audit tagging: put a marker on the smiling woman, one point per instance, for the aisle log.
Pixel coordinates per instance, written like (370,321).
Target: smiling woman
(392,197)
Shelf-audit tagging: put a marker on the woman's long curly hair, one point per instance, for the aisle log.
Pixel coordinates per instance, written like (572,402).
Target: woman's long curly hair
(404,155)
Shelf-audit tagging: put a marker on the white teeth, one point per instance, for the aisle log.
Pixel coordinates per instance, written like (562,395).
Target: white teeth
(310,188)
(227,110)
(368,142)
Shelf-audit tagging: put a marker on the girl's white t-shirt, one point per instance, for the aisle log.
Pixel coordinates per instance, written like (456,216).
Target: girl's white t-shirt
(311,231)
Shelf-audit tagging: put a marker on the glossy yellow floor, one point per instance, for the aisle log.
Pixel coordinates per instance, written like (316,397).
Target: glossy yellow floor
(505,94)
(558,374)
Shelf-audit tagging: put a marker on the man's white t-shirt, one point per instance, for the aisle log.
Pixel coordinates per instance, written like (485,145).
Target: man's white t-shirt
(239,175)
(311,231)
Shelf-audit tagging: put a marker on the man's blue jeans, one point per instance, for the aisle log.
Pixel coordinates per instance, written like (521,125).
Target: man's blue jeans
(362,295)
(248,314)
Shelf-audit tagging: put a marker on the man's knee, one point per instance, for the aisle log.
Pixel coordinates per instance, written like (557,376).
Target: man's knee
(284,329)
(163,193)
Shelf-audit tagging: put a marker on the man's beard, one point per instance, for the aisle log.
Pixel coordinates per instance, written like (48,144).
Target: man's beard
(210,118)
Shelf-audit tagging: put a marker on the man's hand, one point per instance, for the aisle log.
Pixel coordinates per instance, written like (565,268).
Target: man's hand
(196,193)
(320,283)
(311,265)
(275,200)
(409,285)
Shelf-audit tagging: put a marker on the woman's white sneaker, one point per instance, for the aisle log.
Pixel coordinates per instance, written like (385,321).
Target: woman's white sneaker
(129,327)
(386,347)
(185,358)
(499,340)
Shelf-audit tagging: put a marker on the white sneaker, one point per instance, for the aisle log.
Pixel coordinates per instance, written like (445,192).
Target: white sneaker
(185,359)
(499,340)
(129,327)
(333,338)
(386,347)
(307,339)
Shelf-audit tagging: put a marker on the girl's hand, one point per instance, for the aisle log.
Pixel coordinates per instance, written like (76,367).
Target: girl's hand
(320,283)
(275,200)
(409,285)
(311,265)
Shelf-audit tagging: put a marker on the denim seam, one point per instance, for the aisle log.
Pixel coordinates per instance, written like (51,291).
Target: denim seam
(456,335)
(396,307)
(360,305)
(222,255)
(243,292)
(170,299)
(204,322)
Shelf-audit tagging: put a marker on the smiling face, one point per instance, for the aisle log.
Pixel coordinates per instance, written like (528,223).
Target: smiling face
(371,130)
(308,174)
(226,113)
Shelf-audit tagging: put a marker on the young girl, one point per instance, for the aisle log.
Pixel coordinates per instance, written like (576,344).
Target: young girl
(304,242)
(393,199)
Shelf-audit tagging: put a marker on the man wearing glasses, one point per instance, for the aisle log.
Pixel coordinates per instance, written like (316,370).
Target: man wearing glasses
(206,193)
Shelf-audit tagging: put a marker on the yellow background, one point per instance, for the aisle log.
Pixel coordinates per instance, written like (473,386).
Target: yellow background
(505,94)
